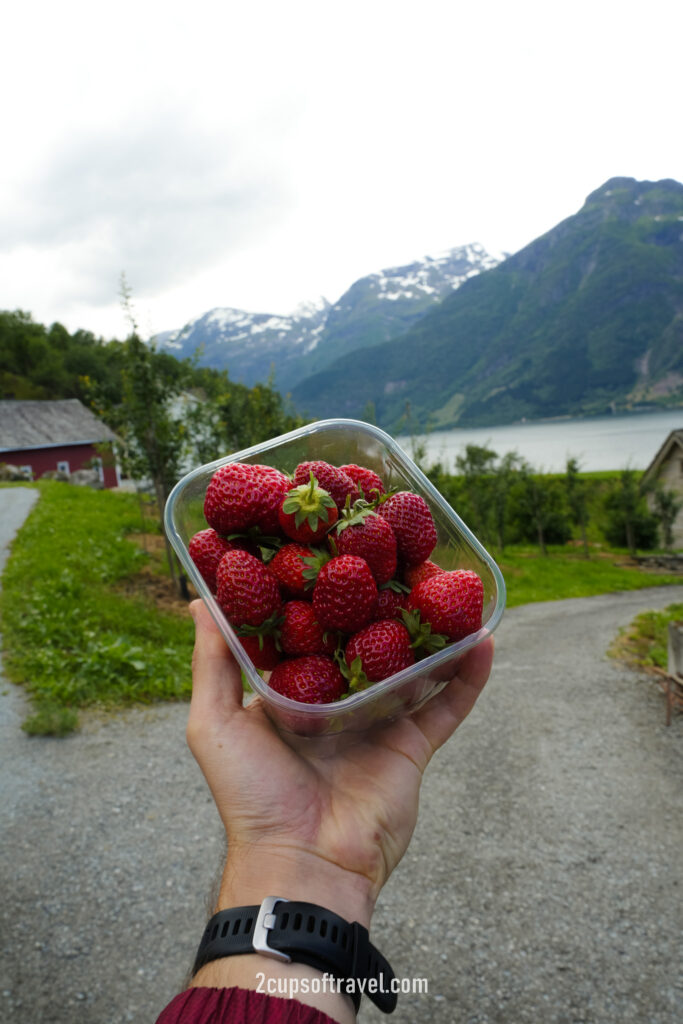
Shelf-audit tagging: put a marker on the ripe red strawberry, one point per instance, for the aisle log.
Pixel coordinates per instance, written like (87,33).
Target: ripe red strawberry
(301,633)
(345,594)
(288,567)
(307,512)
(371,537)
(412,522)
(330,478)
(313,679)
(368,481)
(451,602)
(262,650)
(206,549)
(390,601)
(377,652)
(414,574)
(247,591)
(278,483)
(241,496)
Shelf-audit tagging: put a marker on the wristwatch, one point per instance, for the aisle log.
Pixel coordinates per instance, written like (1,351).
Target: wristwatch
(293,931)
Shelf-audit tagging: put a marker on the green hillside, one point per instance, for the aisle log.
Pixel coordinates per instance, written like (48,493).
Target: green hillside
(585,319)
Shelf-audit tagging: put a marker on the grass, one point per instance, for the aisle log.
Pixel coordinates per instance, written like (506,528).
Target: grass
(530,577)
(70,636)
(75,639)
(645,641)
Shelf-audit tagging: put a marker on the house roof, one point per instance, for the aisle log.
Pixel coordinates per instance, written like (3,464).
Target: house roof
(49,424)
(674,440)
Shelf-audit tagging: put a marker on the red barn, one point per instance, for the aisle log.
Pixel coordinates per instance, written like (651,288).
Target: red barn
(56,436)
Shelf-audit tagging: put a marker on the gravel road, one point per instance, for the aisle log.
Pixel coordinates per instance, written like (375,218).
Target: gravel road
(542,885)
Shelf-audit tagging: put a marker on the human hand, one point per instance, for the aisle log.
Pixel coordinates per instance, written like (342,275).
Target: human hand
(323,829)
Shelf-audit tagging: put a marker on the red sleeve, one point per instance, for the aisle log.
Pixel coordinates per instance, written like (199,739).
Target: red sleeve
(238,1006)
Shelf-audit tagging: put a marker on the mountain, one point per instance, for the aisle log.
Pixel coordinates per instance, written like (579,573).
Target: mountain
(586,319)
(249,345)
(374,310)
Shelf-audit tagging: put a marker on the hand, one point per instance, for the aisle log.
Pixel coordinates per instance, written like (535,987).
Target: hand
(324,829)
(346,818)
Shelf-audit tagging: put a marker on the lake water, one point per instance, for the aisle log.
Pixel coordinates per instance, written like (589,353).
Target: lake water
(603,442)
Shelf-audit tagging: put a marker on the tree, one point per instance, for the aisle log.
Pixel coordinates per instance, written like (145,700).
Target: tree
(152,436)
(628,520)
(577,500)
(153,439)
(666,508)
(505,474)
(476,469)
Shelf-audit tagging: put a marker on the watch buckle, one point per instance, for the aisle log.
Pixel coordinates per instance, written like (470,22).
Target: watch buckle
(265,921)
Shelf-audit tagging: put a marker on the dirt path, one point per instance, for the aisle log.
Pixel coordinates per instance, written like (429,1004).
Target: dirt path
(542,885)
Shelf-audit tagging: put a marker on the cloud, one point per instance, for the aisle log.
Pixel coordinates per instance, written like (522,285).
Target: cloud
(160,198)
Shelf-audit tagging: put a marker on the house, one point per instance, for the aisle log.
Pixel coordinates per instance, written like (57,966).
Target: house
(64,436)
(667,469)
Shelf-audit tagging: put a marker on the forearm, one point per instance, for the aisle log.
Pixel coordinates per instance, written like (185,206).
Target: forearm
(252,874)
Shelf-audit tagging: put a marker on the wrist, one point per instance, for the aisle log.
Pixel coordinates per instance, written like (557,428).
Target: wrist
(252,873)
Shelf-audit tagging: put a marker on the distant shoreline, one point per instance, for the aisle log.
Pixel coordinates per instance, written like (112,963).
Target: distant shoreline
(610,441)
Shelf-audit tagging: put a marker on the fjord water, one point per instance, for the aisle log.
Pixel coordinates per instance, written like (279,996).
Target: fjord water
(602,442)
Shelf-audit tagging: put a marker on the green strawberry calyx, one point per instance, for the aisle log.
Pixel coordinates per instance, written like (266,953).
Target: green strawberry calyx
(268,546)
(353,673)
(423,641)
(396,586)
(312,566)
(354,515)
(308,503)
(269,627)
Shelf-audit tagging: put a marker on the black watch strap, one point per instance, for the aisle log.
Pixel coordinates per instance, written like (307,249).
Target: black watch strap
(303,933)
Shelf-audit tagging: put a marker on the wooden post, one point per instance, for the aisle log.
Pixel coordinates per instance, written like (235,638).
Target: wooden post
(674,666)
(675,649)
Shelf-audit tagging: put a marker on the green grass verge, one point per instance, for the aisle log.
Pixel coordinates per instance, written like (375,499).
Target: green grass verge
(645,641)
(69,637)
(529,577)
(75,640)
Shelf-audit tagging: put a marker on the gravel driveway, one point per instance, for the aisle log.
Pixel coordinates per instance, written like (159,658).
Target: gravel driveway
(542,885)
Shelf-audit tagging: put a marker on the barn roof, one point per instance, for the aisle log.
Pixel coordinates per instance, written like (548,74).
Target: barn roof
(673,441)
(49,424)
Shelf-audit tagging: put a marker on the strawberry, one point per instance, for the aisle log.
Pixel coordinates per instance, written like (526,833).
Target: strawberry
(307,512)
(451,602)
(241,496)
(330,478)
(345,594)
(288,566)
(262,650)
(247,591)
(278,484)
(368,535)
(377,652)
(206,549)
(414,574)
(411,519)
(369,483)
(313,679)
(300,632)
(390,599)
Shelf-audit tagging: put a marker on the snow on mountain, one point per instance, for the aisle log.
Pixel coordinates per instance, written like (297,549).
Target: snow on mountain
(375,308)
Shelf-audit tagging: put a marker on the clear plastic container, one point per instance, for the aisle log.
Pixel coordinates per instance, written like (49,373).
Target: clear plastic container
(341,441)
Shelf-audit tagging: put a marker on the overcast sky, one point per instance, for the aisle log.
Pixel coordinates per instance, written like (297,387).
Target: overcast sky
(261,154)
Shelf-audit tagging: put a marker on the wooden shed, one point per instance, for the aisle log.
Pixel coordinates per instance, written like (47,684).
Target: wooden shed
(666,469)
(64,436)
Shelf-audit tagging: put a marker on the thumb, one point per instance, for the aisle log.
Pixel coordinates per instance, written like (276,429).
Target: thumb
(216,678)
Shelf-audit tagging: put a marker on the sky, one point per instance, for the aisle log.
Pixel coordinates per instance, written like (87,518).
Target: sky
(262,155)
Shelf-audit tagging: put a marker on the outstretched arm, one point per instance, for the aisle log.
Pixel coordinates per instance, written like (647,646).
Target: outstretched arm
(326,830)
